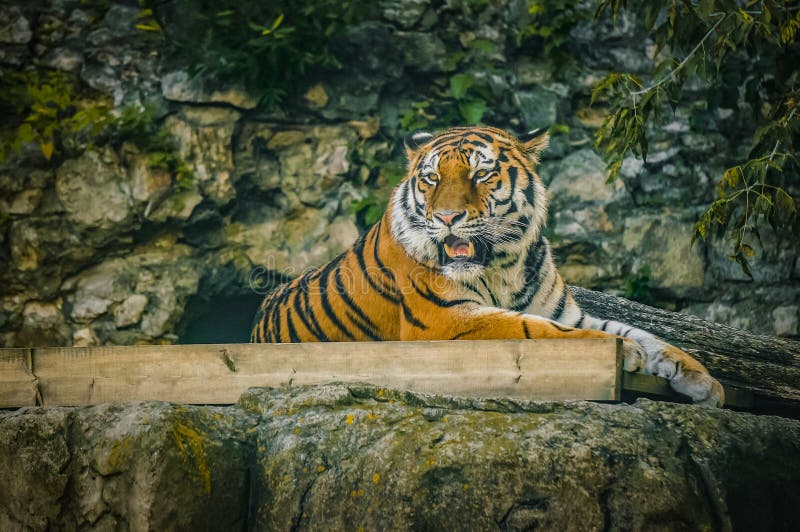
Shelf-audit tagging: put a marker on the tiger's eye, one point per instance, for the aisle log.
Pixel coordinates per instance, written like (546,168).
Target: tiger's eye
(480,174)
(426,178)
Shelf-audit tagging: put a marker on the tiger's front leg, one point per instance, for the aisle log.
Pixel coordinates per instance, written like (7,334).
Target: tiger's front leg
(685,374)
(475,322)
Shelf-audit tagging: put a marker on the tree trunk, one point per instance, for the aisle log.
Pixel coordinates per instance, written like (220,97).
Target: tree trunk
(766,366)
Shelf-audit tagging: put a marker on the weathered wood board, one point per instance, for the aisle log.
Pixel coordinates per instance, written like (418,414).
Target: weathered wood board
(18,385)
(218,374)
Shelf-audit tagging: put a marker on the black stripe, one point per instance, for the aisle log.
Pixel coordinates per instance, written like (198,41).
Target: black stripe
(552,287)
(503,202)
(358,251)
(512,206)
(300,314)
(559,311)
(533,263)
(410,200)
(366,325)
(463,334)
(362,327)
(384,270)
(438,301)
(512,176)
(580,321)
(323,297)
(290,325)
(276,315)
(525,328)
(605,324)
(530,190)
(489,290)
(514,159)
(560,328)
(312,316)
(273,314)
(484,136)
(533,267)
(410,317)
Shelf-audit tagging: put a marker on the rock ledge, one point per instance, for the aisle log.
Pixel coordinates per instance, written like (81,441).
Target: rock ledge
(350,456)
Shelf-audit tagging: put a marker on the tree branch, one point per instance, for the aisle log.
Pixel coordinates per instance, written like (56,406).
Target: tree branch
(682,64)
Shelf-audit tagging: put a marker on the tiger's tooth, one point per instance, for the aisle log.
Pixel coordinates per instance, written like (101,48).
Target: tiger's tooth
(448,250)
(471,249)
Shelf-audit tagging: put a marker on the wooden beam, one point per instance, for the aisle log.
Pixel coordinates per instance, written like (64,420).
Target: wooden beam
(18,384)
(218,374)
(650,384)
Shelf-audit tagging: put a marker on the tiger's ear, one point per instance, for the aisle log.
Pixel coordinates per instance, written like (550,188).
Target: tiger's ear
(415,141)
(535,142)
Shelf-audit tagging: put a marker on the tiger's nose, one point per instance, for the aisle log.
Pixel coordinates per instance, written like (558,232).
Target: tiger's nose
(450,217)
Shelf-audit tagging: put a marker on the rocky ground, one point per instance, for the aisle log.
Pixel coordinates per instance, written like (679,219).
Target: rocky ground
(361,457)
(100,248)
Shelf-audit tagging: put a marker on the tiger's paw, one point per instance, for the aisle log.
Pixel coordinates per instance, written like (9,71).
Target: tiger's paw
(634,357)
(691,378)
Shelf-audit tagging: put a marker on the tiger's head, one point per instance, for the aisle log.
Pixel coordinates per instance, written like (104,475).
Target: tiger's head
(471,197)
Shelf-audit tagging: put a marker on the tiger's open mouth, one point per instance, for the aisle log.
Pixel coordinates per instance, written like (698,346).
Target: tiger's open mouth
(458,248)
(462,250)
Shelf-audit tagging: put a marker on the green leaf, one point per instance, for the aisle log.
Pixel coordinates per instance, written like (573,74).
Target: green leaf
(613,171)
(47,149)
(472,111)
(274,26)
(731,176)
(373,214)
(453,60)
(150,26)
(763,204)
(483,45)
(459,84)
(25,133)
(785,208)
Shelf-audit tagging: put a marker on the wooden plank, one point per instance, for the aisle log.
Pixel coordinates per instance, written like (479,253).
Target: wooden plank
(18,385)
(218,374)
(638,382)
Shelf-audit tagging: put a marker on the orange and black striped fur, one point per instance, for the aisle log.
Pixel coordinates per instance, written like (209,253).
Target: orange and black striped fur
(459,254)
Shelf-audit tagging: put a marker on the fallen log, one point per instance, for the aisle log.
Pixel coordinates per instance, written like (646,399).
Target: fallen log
(766,366)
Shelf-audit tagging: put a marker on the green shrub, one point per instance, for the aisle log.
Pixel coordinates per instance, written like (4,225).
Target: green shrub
(266,46)
(52,110)
(45,108)
(370,209)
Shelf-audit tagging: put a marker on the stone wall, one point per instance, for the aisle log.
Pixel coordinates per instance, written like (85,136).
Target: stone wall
(100,248)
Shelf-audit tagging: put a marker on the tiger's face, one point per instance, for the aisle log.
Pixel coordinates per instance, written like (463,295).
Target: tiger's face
(470,198)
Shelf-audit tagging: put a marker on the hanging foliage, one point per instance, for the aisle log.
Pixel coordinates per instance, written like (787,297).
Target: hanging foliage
(745,54)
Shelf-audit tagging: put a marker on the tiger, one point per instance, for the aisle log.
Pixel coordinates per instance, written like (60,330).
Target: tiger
(460,254)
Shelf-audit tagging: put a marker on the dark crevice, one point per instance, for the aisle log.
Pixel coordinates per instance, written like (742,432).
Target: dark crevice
(302,507)
(223,308)
(218,319)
